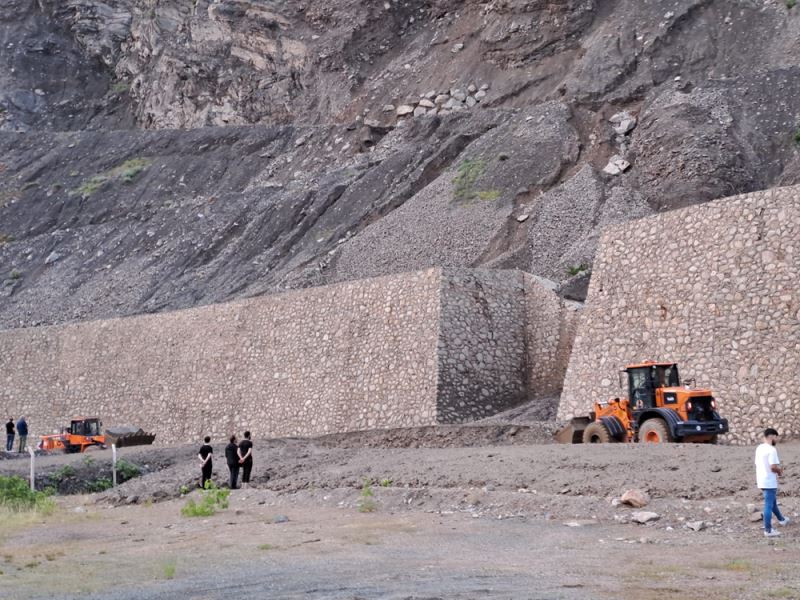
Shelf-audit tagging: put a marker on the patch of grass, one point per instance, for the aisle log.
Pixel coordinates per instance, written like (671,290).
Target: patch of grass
(366,503)
(15,274)
(468,173)
(212,499)
(168,568)
(738,565)
(784,592)
(126,172)
(184,489)
(16,496)
(266,547)
(120,87)
(6,238)
(488,195)
(127,470)
(574,270)
(32,564)
(148,503)
(91,185)
(88,460)
(386,482)
(791,3)
(797,135)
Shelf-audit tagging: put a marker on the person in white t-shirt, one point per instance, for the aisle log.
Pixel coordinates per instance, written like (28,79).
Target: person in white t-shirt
(768,468)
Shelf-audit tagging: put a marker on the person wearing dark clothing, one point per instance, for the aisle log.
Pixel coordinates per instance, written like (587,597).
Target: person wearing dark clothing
(10,434)
(206,462)
(22,430)
(232,458)
(246,458)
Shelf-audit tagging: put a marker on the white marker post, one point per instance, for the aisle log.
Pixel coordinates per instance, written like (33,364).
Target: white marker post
(114,464)
(33,470)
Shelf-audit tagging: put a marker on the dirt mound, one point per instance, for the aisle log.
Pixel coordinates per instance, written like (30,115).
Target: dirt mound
(443,436)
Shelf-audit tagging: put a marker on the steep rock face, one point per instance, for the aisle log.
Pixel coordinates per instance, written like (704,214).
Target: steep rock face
(163,154)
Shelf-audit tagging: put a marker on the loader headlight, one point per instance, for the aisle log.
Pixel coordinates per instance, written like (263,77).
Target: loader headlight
(697,427)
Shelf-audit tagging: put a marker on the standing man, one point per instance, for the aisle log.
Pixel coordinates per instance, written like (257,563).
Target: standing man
(232,458)
(246,458)
(206,462)
(10,434)
(768,468)
(22,430)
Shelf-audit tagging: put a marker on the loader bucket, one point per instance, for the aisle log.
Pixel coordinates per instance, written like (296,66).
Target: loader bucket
(572,432)
(128,436)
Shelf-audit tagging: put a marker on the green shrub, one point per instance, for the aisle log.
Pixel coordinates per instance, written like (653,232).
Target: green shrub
(366,503)
(468,173)
(571,271)
(797,135)
(15,274)
(16,495)
(791,3)
(62,473)
(212,499)
(100,485)
(5,238)
(386,482)
(169,568)
(127,470)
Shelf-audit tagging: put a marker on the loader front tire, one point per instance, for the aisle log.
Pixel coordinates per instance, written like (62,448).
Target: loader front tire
(654,431)
(596,433)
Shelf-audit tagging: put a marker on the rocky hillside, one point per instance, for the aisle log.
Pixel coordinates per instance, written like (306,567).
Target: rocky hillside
(157,154)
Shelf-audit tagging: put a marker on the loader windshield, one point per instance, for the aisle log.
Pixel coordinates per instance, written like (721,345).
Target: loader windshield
(666,376)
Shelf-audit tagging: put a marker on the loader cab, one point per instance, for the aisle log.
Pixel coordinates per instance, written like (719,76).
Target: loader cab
(85,427)
(644,379)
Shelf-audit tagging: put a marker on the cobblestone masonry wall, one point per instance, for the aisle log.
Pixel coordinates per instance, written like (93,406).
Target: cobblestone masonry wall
(366,354)
(715,288)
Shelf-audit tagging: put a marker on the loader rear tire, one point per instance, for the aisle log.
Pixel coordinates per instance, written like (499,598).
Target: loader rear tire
(654,431)
(596,433)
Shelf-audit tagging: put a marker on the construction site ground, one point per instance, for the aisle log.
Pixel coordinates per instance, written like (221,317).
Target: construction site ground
(450,512)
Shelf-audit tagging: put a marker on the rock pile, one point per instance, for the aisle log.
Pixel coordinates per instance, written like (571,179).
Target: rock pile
(441,103)
(623,123)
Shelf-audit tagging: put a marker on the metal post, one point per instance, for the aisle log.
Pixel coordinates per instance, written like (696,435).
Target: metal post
(33,470)
(114,464)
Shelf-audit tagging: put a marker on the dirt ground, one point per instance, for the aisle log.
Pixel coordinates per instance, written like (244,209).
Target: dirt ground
(512,520)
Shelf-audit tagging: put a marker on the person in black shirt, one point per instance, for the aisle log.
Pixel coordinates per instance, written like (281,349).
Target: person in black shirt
(206,461)
(10,434)
(246,458)
(232,457)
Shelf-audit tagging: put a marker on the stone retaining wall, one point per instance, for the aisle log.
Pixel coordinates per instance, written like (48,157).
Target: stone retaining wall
(712,287)
(407,350)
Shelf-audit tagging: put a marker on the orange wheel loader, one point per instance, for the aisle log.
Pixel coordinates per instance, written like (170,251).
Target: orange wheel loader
(658,409)
(84,433)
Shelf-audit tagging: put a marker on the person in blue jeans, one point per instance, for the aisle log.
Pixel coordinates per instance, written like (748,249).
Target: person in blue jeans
(22,431)
(768,469)
(10,434)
